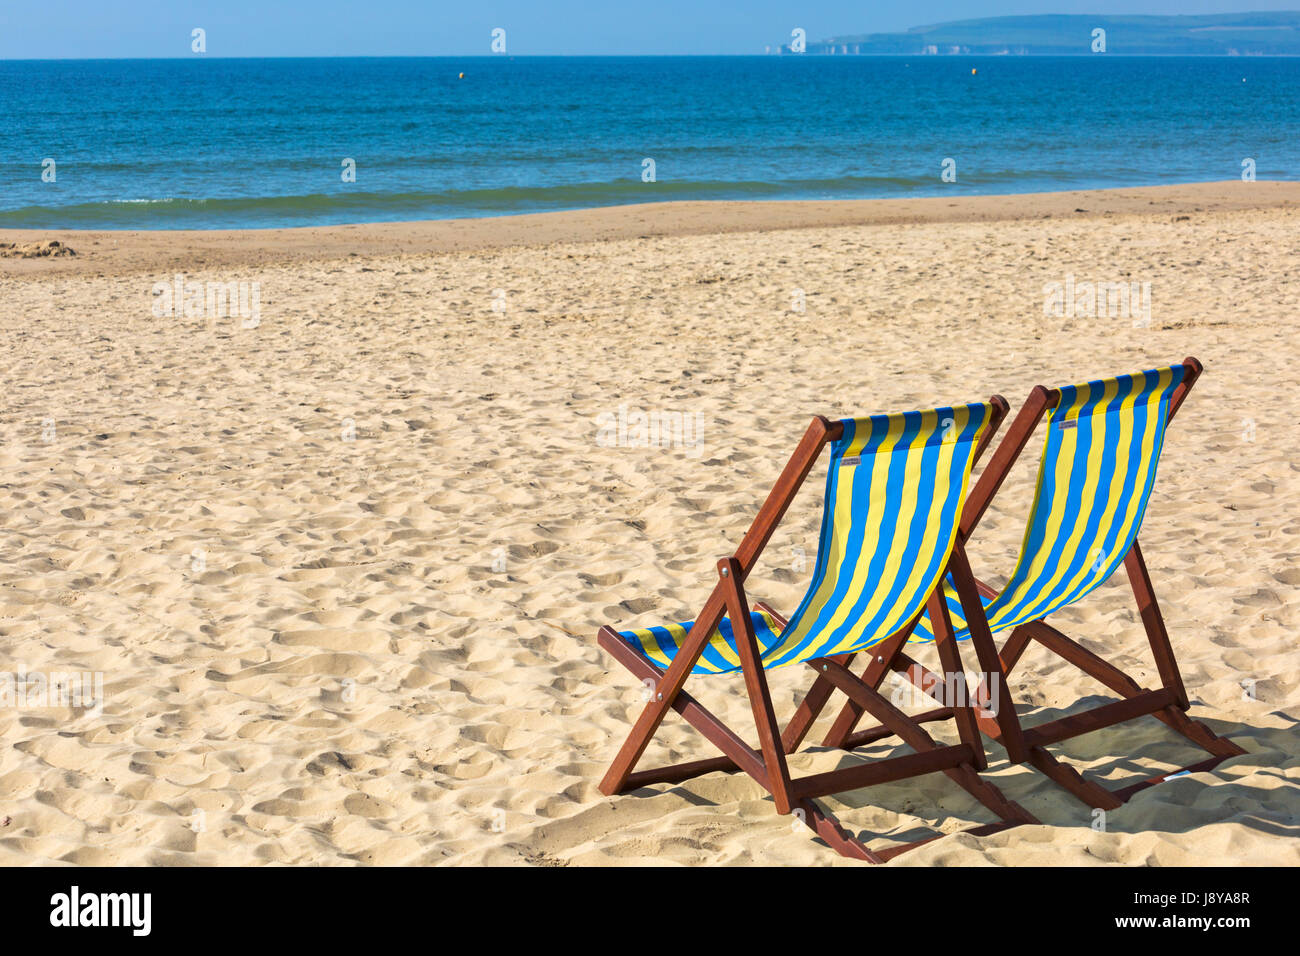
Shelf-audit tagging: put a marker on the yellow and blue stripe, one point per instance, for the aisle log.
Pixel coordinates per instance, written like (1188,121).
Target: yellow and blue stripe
(1094,481)
(894,494)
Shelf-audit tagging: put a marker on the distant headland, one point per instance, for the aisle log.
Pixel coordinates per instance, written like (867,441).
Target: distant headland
(1219,34)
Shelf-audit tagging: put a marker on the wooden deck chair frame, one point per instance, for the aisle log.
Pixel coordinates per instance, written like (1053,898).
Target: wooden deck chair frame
(1168,703)
(961,762)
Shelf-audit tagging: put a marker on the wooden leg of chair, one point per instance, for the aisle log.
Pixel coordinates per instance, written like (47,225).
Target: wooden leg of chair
(912,734)
(1111,676)
(738,755)
(814,701)
(882,659)
(994,687)
(809,710)
(760,698)
(1198,733)
(666,692)
(950,660)
(989,795)
(842,842)
(830,830)
(1154,623)
(1094,795)
(1014,647)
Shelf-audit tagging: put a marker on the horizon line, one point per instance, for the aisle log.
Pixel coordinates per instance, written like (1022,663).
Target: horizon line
(557,56)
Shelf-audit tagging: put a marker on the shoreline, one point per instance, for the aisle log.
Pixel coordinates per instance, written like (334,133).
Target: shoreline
(113,251)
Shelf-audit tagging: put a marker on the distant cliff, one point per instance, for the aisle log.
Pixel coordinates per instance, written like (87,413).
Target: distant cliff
(1219,34)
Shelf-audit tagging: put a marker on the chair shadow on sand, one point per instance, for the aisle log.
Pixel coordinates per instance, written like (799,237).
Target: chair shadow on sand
(1216,796)
(1220,795)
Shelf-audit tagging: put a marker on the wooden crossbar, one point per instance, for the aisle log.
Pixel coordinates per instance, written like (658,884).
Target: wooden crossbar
(880,731)
(1105,715)
(882,771)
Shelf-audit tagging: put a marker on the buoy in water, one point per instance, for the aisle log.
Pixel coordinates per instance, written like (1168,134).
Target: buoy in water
(973,71)
(461,76)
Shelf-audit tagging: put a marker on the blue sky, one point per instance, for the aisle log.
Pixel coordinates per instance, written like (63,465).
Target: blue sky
(161,28)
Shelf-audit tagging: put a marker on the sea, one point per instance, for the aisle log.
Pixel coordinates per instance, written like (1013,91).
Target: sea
(256,143)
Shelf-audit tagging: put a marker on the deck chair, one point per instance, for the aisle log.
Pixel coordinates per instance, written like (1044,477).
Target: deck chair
(1094,481)
(894,493)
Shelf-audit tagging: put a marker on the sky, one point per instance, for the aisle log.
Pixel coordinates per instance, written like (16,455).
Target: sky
(88,29)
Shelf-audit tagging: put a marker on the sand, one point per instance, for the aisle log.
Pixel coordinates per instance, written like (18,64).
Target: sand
(342,569)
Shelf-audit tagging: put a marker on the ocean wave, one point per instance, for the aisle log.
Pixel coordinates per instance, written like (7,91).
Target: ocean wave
(357,206)
(352,206)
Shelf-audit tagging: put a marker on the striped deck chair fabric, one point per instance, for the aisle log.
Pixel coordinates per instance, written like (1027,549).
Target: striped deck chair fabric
(1095,478)
(894,494)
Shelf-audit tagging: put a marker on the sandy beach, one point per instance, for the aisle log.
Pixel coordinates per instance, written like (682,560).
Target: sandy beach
(342,563)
